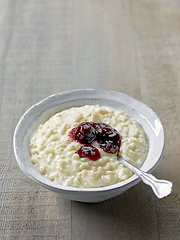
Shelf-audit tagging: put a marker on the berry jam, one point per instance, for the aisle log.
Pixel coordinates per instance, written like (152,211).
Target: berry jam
(90,152)
(88,132)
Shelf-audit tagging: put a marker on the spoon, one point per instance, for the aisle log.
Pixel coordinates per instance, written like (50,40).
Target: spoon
(161,188)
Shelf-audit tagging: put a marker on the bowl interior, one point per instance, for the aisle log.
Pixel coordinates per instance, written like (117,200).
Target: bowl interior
(41,111)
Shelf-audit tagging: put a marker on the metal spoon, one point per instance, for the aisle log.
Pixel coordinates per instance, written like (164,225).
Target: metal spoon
(161,188)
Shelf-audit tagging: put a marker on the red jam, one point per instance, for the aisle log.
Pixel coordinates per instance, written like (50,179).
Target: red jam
(88,132)
(90,152)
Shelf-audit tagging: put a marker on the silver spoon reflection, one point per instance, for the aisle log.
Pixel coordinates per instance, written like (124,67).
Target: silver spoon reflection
(161,188)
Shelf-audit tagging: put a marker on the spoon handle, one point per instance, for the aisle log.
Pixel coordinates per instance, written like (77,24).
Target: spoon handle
(161,188)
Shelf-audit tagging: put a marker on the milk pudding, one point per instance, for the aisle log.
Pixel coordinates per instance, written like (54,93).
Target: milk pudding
(56,154)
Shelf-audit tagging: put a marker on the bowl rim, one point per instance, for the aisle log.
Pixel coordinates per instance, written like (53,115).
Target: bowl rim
(61,188)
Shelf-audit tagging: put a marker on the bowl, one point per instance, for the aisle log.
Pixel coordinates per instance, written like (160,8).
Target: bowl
(43,110)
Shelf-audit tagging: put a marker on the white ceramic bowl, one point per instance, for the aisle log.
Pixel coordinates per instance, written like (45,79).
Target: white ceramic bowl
(41,111)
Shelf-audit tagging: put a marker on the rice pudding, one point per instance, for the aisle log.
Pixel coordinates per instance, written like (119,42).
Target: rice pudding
(54,153)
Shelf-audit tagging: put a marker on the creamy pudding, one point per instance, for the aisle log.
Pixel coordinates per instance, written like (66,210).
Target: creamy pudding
(55,153)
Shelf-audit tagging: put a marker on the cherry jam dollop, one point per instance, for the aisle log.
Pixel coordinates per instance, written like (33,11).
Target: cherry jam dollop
(88,132)
(90,152)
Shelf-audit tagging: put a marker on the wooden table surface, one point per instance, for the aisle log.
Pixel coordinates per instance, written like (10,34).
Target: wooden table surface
(53,46)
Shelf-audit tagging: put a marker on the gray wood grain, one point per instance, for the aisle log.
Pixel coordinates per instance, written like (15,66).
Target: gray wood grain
(54,46)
